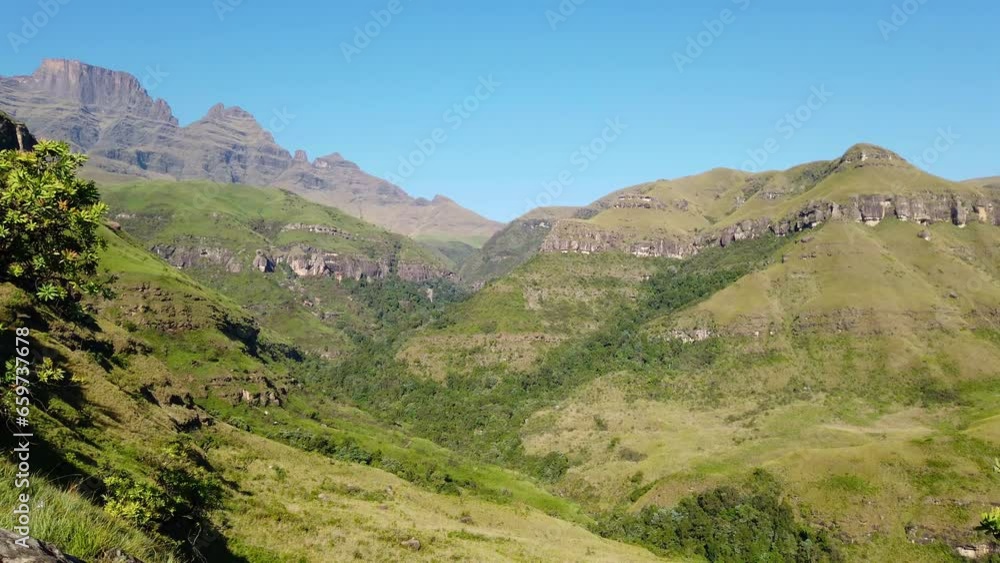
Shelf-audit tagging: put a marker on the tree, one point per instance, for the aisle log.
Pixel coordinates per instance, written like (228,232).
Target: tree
(49,220)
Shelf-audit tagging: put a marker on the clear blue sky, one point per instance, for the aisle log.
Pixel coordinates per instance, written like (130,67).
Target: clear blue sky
(557,87)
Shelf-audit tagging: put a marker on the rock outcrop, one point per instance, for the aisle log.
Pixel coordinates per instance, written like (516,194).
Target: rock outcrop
(586,238)
(15,136)
(304,261)
(36,552)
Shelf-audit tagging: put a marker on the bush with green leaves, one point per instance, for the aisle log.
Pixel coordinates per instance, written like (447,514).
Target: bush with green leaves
(991,522)
(49,220)
(176,500)
(751,523)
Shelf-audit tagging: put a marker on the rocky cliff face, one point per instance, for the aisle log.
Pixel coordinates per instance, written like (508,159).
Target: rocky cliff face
(111,116)
(303,261)
(586,238)
(14,136)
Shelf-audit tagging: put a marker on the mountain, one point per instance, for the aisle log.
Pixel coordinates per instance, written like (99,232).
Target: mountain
(513,245)
(678,218)
(110,115)
(835,323)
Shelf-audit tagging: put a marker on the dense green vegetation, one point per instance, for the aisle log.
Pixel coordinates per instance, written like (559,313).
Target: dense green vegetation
(725,524)
(482,414)
(48,224)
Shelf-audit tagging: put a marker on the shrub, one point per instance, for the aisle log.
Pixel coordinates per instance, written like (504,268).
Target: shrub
(49,222)
(991,522)
(724,524)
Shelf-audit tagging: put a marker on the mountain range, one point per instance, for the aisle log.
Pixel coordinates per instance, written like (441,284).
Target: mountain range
(792,365)
(109,115)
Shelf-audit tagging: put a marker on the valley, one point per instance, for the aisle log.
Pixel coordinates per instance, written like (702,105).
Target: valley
(246,355)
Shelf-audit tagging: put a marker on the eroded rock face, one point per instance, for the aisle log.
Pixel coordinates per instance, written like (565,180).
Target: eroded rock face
(263,263)
(15,136)
(303,261)
(585,238)
(188,257)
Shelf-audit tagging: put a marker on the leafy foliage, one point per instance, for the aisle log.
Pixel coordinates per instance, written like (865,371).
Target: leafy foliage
(49,223)
(990,522)
(726,525)
(482,413)
(176,501)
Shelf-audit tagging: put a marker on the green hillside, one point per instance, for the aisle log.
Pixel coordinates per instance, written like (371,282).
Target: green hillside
(329,277)
(171,366)
(512,246)
(271,380)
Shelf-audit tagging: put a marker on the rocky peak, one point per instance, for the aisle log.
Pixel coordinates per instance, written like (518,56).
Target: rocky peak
(99,88)
(234,119)
(864,154)
(334,160)
(301,156)
(219,112)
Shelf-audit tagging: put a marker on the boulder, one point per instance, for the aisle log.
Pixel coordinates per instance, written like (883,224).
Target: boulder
(36,552)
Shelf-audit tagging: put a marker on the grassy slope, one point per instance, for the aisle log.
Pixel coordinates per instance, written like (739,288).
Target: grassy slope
(860,370)
(514,320)
(172,344)
(317,314)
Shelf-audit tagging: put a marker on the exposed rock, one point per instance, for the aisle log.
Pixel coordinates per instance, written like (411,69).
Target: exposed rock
(412,543)
(36,552)
(15,136)
(586,238)
(978,551)
(318,229)
(638,201)
(924,234)
(188,257)
(263,263)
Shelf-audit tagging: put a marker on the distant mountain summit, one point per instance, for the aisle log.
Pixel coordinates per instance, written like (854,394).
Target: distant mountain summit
(111,116)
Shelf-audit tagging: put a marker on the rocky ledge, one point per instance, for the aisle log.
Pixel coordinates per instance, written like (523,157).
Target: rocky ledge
(304,261)
(585,238)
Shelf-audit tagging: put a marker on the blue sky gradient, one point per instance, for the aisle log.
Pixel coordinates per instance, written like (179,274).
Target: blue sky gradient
(583,97)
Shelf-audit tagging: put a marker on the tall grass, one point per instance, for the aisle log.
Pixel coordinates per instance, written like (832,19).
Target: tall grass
(79,528)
